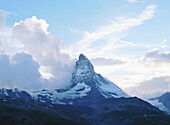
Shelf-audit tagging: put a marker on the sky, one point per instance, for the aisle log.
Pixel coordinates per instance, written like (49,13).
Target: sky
(127,41)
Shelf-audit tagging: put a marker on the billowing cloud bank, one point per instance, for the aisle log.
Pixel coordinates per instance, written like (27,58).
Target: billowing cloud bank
(48,50)
(45,56)
(21,71)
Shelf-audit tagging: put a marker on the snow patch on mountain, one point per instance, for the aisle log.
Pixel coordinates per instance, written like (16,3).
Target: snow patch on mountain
(78,91)
(38,95)
(3,91)
(108,89)
(14,93)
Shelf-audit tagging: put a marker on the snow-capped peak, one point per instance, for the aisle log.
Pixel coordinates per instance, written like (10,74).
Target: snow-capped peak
(82,57)
(84,63)
(84,72)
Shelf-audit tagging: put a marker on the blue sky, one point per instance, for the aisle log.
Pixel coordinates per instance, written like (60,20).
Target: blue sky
(130,38)
(89,15)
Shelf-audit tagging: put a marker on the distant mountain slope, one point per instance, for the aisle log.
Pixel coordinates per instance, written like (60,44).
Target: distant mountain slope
(165,99)
(162,102)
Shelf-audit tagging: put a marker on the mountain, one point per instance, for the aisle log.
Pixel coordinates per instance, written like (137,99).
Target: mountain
(91,99)
(162,102)
(85,83)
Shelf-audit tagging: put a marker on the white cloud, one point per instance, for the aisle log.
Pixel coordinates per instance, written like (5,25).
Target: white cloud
(131,1)
(20,71)
(150,88)
(9,46)
(48,50)
(74,30)
(110,34)
(31,36)
(156,56)
(128,43)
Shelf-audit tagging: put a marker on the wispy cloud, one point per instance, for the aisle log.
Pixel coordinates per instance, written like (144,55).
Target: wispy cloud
(131,1)
(128,43)
(74,30)
(111,33)
(106,61)
(156,56)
